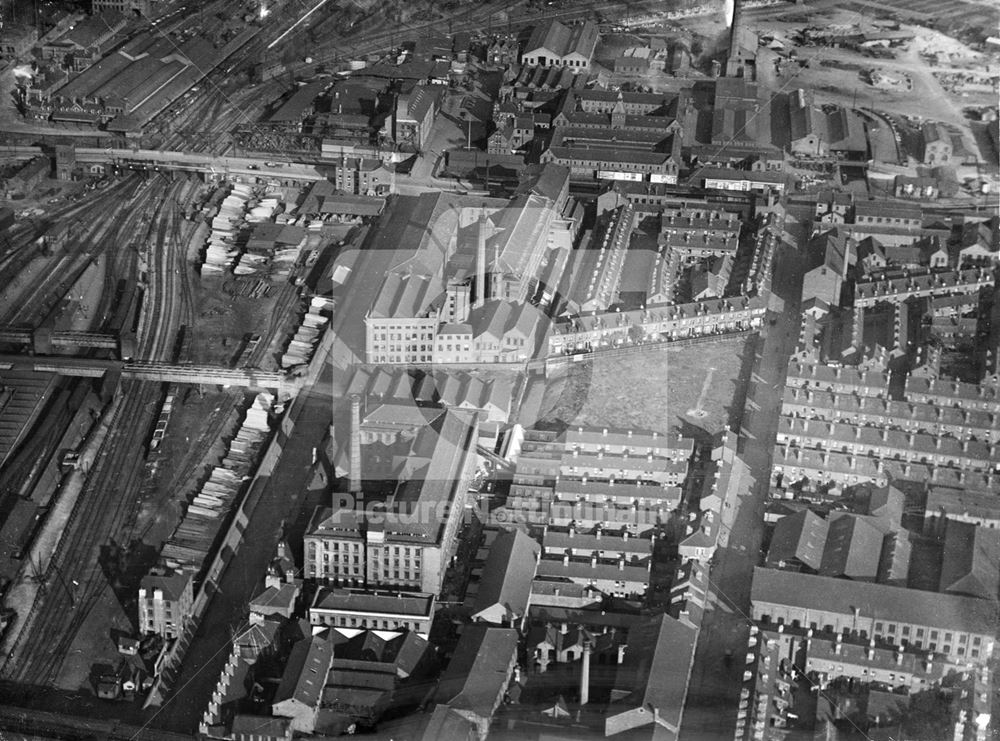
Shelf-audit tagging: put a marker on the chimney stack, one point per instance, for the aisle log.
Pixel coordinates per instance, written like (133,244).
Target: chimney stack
(355,475)
(481,261)
(585,673)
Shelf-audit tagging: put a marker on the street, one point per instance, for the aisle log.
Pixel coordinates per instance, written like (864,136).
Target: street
(713,692)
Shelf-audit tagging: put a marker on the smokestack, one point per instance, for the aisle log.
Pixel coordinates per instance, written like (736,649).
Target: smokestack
(481,261)
(355,482)
(585,674)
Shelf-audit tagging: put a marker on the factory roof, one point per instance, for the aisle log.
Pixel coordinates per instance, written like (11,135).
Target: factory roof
(963,503)
(507,574)
(305,671)
(971,560)
(654,675)
(478,670)
(800,537)
(895,604)
(563,40)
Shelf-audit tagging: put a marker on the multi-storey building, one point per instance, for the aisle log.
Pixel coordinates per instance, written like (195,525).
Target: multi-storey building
(877,675)
(961,630)
(870,291)
(413,116)
(586,333)
(364,176)
(589,478)
(701,233)
(885,443)
(639,155)
(466,293)
(967,396)
(933,417)
(793,464)
(840,380)
(165,602)
(620,576)
(405,541)
(373,609)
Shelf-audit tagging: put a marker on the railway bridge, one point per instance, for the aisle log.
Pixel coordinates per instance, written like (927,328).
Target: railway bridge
(285,386)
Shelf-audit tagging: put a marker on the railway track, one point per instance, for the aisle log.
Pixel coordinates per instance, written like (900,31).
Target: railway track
(102,232)
(75,582)
(108,505)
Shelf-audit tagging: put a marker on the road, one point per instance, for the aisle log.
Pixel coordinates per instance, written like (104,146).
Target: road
(713,692)
(282,493)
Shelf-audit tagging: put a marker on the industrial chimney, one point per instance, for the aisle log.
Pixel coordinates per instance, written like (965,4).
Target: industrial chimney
(355,474)
(585,673)
(481,261)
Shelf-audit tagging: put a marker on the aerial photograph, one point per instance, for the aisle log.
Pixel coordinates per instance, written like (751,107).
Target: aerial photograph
(508,370)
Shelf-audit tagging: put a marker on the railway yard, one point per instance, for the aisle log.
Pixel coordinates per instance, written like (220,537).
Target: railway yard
(78,458)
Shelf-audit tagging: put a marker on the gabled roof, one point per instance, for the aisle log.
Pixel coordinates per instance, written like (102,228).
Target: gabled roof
(799,537)
(894,604)
(446,723)
(563,40)
(507,574)
(971,560)
(305,672)
(654,674)
(478,670)
(852,549)
(831,250)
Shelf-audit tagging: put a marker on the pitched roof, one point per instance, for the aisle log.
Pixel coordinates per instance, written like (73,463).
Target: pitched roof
(852,549)
(897,604)
(798,537)
(562,40)
(305,672)
(655,672)
(478,670)
(507,574)
(445,723)
(971,560)
(831,250)
(173,584)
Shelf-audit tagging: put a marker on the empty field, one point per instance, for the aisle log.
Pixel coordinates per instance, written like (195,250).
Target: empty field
(684,389)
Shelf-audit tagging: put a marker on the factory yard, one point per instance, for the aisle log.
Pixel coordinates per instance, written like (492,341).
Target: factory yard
(687,390)
(838,75)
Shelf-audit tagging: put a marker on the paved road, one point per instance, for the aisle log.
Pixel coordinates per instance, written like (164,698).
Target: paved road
(713,693)
(280,498)
(284,492)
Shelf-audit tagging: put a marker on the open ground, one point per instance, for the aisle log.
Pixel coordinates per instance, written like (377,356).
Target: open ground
(663,389)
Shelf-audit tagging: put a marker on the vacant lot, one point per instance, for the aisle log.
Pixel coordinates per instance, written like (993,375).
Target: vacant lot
(684,389)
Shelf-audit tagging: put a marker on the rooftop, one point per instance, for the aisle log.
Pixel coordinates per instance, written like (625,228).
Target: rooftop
(479,669)
(654,675)
(374,602)
(507,574)
(897,604)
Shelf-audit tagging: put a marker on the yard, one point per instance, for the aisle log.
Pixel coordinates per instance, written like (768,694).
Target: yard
(687,389)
